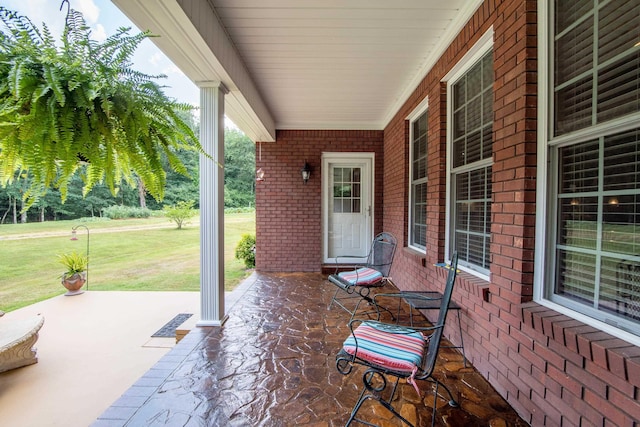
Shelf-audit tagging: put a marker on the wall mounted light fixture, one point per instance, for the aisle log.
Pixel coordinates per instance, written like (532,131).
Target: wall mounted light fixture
(306,172)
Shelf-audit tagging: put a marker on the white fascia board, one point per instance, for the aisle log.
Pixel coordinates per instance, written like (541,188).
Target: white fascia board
(193,38)
(333,125)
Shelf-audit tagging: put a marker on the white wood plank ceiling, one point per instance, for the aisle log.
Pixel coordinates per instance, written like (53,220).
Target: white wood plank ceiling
(338,64)
(305,64)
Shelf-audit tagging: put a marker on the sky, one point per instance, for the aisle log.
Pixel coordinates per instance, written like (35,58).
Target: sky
(105,18)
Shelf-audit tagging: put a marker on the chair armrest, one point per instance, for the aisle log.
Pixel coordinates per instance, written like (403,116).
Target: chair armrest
(414,300)
(426,295)
(338,257)
(417,295)
(350,266)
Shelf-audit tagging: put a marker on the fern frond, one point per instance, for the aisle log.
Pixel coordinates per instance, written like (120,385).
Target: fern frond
(52,79)
(80,108)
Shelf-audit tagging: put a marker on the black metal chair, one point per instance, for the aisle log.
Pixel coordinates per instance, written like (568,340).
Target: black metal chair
(401,352)
(354,286)
(426,301)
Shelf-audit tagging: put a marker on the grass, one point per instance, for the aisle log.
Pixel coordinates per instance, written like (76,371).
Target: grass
(135,254)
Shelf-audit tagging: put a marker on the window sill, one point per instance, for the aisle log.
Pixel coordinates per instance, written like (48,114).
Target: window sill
(471,284)
(576,341)
(413,251)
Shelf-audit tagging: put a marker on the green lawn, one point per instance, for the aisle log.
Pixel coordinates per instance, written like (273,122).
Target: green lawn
(135,254)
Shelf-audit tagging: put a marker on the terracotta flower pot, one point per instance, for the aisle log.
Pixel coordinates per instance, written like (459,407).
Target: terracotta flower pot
(74,283)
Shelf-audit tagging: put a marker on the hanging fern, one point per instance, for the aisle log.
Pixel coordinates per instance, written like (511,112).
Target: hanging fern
(79,107)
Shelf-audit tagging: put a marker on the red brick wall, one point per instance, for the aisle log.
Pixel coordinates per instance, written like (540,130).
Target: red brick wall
(288,212)
(552,369)
(555,371)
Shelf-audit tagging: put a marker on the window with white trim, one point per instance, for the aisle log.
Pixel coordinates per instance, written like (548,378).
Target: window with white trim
(418,183)
(471,159)
(593,228)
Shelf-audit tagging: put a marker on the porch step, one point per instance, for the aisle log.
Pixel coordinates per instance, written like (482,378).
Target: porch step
(185,328)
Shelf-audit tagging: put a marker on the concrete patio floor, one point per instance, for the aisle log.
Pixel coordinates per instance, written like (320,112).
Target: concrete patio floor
(273,364)
(91,348)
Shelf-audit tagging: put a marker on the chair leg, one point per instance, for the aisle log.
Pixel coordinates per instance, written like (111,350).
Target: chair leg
(452,402)
(464,356)
(337,300)
(368,396)
(371,391)
(435,404)
(356,408)
(356,296)
(333,299)
(375,394)
(365,296)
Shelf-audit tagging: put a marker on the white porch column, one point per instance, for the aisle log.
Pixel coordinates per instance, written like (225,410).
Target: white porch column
(212,204)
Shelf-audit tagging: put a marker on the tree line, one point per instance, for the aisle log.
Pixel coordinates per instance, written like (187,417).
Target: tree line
(239,184)
(82,130)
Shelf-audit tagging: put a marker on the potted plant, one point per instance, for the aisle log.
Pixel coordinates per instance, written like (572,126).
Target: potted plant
(76,275)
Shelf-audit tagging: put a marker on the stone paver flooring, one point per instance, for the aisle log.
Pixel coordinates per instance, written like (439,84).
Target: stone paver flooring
(273,364)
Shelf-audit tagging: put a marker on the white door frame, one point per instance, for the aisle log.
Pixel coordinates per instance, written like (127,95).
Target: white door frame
(347,158)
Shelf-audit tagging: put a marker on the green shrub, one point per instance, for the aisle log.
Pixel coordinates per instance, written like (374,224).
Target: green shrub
(180,213)
(124,212)
(92,219)
(246,250)
(240,210)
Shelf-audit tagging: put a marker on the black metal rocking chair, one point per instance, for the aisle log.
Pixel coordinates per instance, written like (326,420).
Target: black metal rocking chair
(392,350)
(354,286)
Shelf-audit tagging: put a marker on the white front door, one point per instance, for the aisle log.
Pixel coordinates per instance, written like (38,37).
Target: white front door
(347,188)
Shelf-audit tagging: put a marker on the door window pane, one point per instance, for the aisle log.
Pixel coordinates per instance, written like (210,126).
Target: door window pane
(347,190)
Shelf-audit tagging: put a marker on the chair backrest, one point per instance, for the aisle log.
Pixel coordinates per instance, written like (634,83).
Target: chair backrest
(381,254)
(434,342)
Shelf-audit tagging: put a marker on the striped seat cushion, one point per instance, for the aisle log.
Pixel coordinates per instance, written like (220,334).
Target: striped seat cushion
(361,277)
(385,346)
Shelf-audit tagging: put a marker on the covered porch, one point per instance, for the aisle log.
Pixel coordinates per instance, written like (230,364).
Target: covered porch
(433,122)
(291,75)
(273,364)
